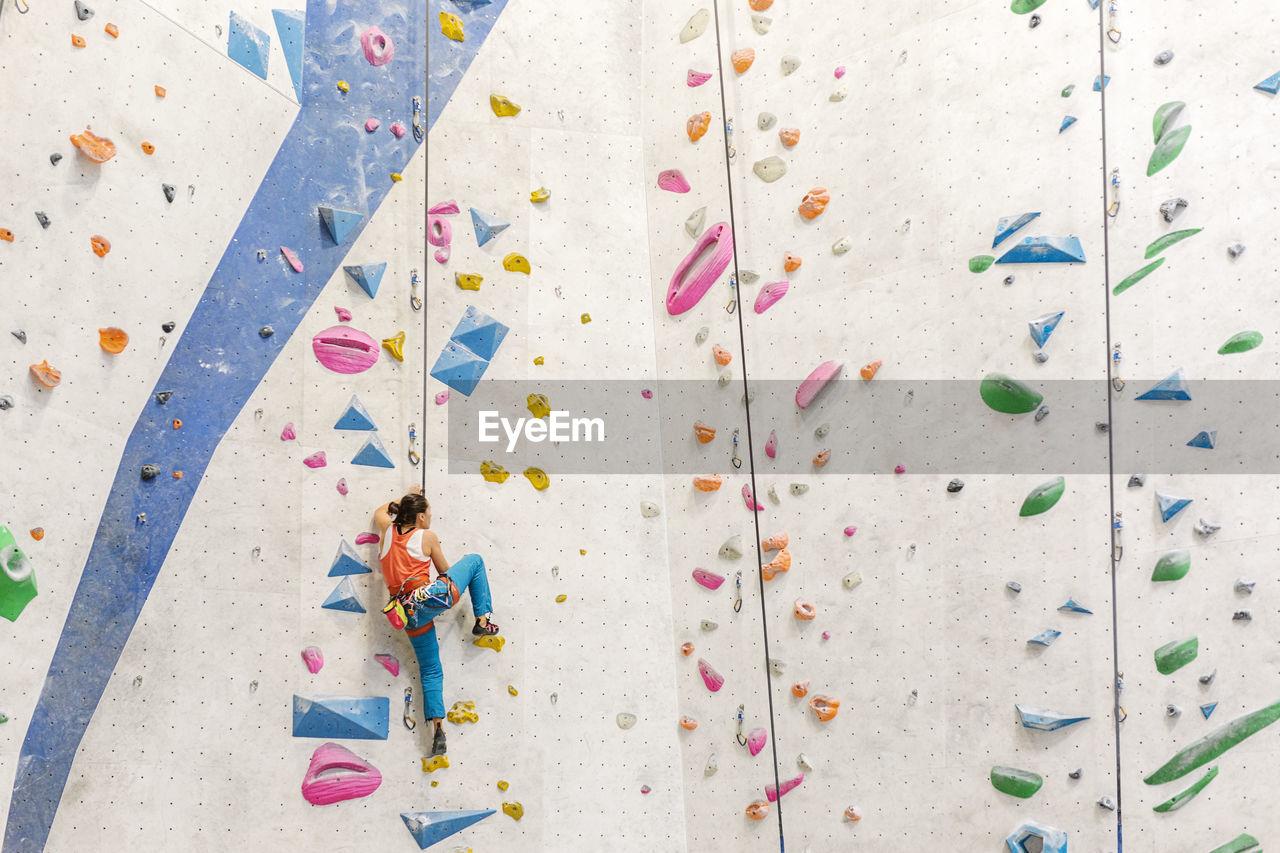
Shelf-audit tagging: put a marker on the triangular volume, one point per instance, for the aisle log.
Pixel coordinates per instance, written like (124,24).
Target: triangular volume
(1042,327)
(479,332)
(1170,505)
(347,562)
(1206,438)
(355,717)
(1008,224)
(355,417)
(459,368)
(1271,85)
(289,26)
(339,222)
(343,597)
(1173,388)
(430,828)
(1207,709)
(373,454)
(1074,606)
(1067,121)
(487,226)
(248,45)
(368,276)
(1045,250)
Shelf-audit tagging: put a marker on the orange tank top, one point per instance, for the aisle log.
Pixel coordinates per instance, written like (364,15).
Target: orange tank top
(399,563)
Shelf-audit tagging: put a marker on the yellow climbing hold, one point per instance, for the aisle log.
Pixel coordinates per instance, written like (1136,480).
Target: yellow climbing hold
(467,280)
(540,194)
(396,177)
(511,688)
(435,782)
(538,477)
(539,405)
(586,318)
(344,86)
(516,262)
(562,598)
(493,472)
(463,712)
(431,765)
(538,360)
(490,641)
(451,26)
(513,810)
(582,551)
(395,346)
(503,106)
(502,786)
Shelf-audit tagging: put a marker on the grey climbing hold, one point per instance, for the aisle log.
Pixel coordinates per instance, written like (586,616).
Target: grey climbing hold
(649,509)
(1208,679)
(1235,251)
(696,220)
(1077,773)
(761,24)
(798,489)
(842,245)
(1042,412)
(1137,481)
(163,397)
(1008,280)
(1204,527)
(1107,803)
(708,625)
(724,378)
(770,169)
(776,666)
(748,276)
(1102,426)
(804,763)
(1034,22)
(1171,208)
(1242,616)
(20,335)
(170,192)
(150,471)
(773,494)
(1244,587)
(142,518)
(42,218)
(1164,57)
(955,485)
(83,12)
(1014,587)
(732,548)
(764,121)
(836,97)
(701,337)
(712,766)
(54,158)
(168,327)
(1041,357)
(6,402)
(266,332)
(790,64)
(822,430)
(1172,710)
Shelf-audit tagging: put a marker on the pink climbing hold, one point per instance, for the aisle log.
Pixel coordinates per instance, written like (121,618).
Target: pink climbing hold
(288,434)
(900,469)
(371,125)
(839,71)
(313,658)
(673,181)
(644,789)
(344,316)
(391,662)
(771,446)
(379,49)
(342,486)
(749,498)
(366,538)
(646,393)
(335,774)
(442,398)
(439,231)
(696,78)
(826,635)
(710,580)
(683,295)
(816,381)
(398,130)
(850,530)
(316,460)
(442,254)
(710,677)
(445,208)
(773,792)
(343,349)
(756,739)
(769,294)
(292,258)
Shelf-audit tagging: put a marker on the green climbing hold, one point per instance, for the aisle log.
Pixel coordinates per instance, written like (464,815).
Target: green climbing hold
(1242,342)
(1022,7)
(1015,782)
(1177,801)
(1043,497)
(1168,240)
(1214,744)
(1172,657)
(1165,114)
(981,263)
(1066,93)
(1168,149)
(4,718)
(1008,395)
(1136,277)
(1172,566)
(1242,842)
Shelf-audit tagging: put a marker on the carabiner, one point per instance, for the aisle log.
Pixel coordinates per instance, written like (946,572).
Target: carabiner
(1114,207)
(414,458)
(1117,383)
(414,281)
(21,11)
(728,138)
(742,741)
(737,592)
(1113,9)
(408,706)
(418,132)
(737,461)
(733,299)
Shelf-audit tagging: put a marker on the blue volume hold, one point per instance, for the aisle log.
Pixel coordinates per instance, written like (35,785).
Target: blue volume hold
(487,226)
(1045,250)
(355,417)
(373,454)
(355,717)
(368,276)
(344,598)
(347,562)
(1172,388)
(289,26)
(430,828)
(340,223)
(248,45)
(1009,224)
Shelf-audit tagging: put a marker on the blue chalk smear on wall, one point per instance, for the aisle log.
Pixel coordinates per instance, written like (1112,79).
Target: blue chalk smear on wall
(326,159)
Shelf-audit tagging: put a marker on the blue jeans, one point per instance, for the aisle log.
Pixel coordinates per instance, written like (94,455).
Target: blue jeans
(468,574)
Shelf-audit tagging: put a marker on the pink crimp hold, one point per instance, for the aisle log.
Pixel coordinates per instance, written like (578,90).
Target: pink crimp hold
(288,434)
(366,538)
(379,49)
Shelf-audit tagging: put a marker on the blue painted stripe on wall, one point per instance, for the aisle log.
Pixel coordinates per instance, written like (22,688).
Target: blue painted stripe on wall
(450,59)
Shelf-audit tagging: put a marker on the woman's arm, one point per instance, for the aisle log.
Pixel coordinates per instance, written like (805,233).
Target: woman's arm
(431,544)
(382,518)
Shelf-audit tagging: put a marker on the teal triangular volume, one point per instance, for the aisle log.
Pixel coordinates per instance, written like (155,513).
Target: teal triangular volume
(487,226)
(1042,327)
(339,222)
(343,597)
(368,276)
(479,333)
(1067,121)
(1172,388)
(248,45)
(1100,82)
(373,454)
(1008,224)
(347,562)
(1206,438)
(289,26)
(1207,709)
(355,717)
(1045,250)
(1271,85)
(459,368)
(1170,505)
(430,828)
(355,417)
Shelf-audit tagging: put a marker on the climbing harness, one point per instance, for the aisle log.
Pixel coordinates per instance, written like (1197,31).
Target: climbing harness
(737,461)
(414,281)
(742,741)
(418,133)
(414,458)
(1114,208)
(737,592)
(409,722)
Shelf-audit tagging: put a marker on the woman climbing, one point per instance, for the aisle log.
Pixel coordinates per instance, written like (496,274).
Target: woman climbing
(409,548)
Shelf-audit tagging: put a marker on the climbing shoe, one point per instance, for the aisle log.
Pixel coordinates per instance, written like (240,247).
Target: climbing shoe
(484,630)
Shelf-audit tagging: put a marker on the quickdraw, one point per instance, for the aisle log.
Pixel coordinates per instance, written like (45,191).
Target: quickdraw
(742,741)
(418,132)
(409,722)
(414,281)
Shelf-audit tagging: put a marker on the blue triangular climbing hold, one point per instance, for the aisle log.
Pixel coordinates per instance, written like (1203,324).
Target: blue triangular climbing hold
(1067,121)
(487,226)
(1172,388)
(459,368)
(355,417)
(479,333)
(1045,250)
(368,276)
(347,562)
(343,597)
(1042,327)
(355,717)
(1206,438)
(248,45)
(1170,505)
(430,828)
(1074,606)
(339,222)
(373,454)
(1008,224)
(1099,82)
(289,26)
(1207,709)
(1271,85)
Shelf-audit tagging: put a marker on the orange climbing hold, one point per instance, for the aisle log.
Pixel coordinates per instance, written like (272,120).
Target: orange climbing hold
(160,91)
(99,149)
(46,375)
(112,30)
(821,458)
(869,371)
(759,5)
(37,533)
(824,706)
(6,235)
(759,810)
(780,563)
(113,340)
(177,423)
(76,41)
(688,723)
(776,542)
(800,689)
(704,433)
(815,201)
(101,245)
(721,355)
(805,611)
(148,148)
(177,475)
(851,814)
(789,136)
(707,483)
(742,59)
(697,126)
(686,649)
(791,262)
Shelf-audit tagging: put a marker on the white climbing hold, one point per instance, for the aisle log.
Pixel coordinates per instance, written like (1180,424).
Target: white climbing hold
(697,26)
(626,720)
(842,245)
(852,580)
(790,64)
(761,24)
(695,222)
(764,121)
(732,548)
(649,509)
(770,169)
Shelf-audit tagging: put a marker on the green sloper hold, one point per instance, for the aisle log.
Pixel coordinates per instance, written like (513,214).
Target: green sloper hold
(1165,114)
(1009,396)
(1168,149)
(1243,342)
(1177,801)
(1015,782)
(1022,7)
(1168,240)
(1043,497)
(981,263)
(1214,744)
(1172,657)
(1242,842)
(1172,566)
(1136,277)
